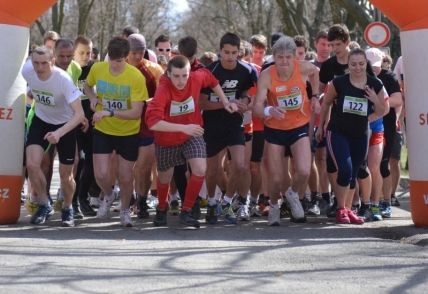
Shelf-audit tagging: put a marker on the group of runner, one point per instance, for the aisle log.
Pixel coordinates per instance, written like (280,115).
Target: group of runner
(259,130)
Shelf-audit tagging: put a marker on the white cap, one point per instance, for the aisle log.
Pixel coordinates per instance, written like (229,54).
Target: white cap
(375,56)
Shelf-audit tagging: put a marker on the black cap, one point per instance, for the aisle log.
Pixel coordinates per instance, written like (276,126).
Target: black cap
(275,37)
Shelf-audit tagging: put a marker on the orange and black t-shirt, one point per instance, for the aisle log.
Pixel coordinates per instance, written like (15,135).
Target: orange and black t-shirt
(291,96)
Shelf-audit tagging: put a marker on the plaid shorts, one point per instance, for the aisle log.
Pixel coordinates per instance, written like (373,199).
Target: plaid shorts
(169,157)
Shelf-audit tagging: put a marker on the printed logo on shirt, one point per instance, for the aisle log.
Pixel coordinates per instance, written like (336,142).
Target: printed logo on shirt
(230,84)
(295,89)
(280,88)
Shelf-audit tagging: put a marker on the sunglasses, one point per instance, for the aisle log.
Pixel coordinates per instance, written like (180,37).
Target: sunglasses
(385,60)
(162,49)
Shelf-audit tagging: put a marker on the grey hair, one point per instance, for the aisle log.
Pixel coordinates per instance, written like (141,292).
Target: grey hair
(64,43)
(42,50)
(284,44)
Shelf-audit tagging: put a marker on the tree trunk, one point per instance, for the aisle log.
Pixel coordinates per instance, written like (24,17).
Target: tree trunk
(84,10)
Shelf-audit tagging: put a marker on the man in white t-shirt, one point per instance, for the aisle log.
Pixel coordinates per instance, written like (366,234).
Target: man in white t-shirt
(57,112)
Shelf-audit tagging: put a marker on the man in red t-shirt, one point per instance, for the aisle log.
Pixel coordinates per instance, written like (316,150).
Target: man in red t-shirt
(176,120)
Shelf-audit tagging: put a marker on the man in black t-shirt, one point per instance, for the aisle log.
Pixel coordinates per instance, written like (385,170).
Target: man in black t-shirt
(223,129)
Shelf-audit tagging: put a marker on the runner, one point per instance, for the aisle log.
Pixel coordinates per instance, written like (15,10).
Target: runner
(146,154)
(163,46)
(286,121)
(121,91)
(259,43)
(57,112)
(223,129)
(176,119)
(347,131)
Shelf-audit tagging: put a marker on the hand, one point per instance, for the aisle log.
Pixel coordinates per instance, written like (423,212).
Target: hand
(319,135)
(242,107)
(231,107)
(85,125)
(315,105)
(53,137)
(193,130)
(277,112)
(371,95)
(94,103)
(98,115)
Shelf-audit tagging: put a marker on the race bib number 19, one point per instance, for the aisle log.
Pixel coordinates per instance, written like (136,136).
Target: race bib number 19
(44,98)
(290,102)
(355,105)
(115,103)
(180,108)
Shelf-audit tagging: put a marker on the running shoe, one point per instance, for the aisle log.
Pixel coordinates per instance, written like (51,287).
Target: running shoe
(142,207)
(186,217)
(324,206)
(342,216)
(106,205)
(42,214)
(86,209)
(366,212)
(77,213)
(152,201)
(125,219)
(31,207)
(353,217)
(95,202)
(386,210)
(377,216)
(203,203)
(295,205)
(58,205)
(314,208)
(274,217)
(284,210)
(67,217)
(196,209)
(211,216)
(394,201)
(173,207)
(227,212)
(160,218)
(243,213)
(254,210)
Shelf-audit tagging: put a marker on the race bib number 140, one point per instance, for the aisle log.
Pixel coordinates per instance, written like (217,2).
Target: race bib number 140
(115,103)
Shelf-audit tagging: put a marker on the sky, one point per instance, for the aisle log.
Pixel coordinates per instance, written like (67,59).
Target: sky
(181,5)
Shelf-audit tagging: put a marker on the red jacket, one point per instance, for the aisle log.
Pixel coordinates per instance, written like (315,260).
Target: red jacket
(168,95)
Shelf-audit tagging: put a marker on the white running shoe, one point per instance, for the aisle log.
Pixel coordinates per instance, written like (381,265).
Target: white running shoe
(125,218)
(96,202)
(243,213)
(295,205)
(106,205)
(152,201)
(274,216)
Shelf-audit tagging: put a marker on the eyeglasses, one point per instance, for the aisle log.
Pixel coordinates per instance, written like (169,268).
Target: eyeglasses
(162,49)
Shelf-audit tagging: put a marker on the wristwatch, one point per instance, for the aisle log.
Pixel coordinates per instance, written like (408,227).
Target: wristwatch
(317,96)
(111,112)
(249,98)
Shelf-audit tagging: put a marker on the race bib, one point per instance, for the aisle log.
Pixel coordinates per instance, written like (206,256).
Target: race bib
(80,85)
(290,102)
(115,103)
(44,98)
(215,98)
(180,108)
(355,105)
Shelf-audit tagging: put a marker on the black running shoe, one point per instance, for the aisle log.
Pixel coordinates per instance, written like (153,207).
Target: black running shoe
(196,209)
(142,207)
(284,211)
(366,212)
(77,212)
(86,209)
(160,218)
(211,216)
(394,201)
(297,220)
(186,218)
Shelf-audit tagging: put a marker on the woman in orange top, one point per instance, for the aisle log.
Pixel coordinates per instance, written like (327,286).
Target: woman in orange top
(286,121)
